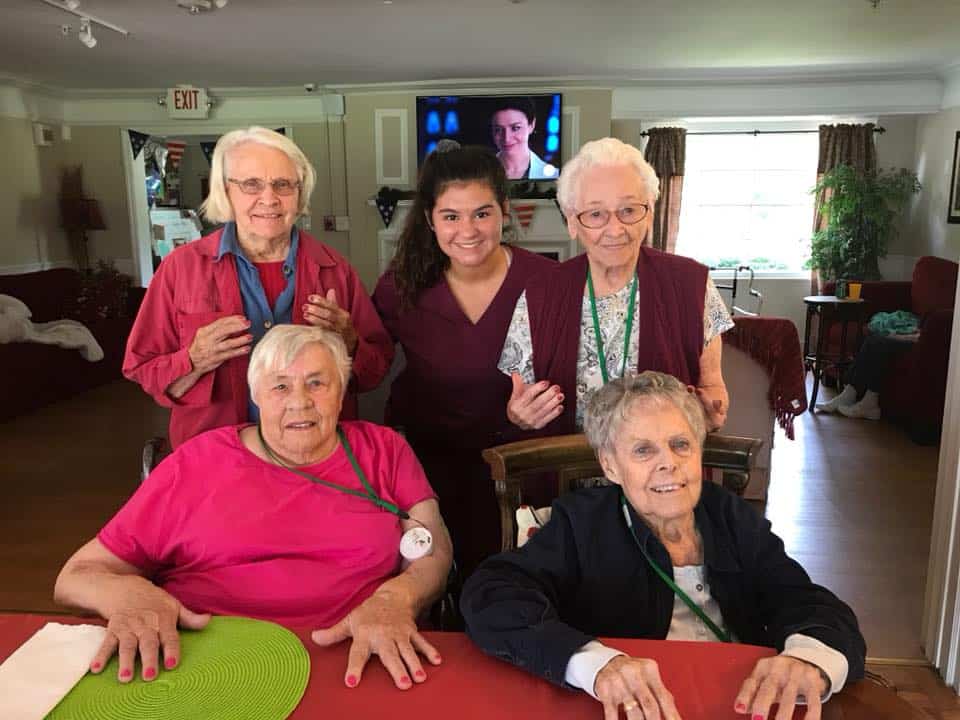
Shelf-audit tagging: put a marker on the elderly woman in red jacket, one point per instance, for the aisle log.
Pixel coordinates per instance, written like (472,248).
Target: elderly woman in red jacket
(212,300)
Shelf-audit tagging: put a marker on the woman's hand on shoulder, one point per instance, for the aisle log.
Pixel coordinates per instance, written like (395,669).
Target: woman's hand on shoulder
(635,685)
(782,680)
(715,403)
(145,622)
(382,625)
(531,407)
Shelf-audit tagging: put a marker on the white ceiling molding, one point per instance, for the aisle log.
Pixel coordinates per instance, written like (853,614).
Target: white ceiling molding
(951,89)
(899,96)
(23,104)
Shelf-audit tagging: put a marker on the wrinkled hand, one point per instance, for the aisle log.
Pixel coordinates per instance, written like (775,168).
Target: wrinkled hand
(326,313)
(145,624)
(532,406)
(634,684)
(381,626)
(781,679)
(715,404)
(219,341)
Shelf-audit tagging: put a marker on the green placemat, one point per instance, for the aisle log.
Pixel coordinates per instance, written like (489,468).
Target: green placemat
(233,669)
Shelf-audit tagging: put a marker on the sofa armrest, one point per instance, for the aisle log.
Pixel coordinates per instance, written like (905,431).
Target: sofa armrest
(887,295)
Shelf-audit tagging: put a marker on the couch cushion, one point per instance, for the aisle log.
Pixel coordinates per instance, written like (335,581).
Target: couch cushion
(46,292)
(934,285)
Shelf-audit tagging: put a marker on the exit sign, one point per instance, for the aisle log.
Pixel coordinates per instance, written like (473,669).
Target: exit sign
(186,101)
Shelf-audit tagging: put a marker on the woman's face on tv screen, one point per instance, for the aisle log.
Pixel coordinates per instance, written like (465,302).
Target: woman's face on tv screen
(511,130)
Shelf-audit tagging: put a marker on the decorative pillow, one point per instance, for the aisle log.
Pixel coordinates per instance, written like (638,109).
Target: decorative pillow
(529,520)
(103,294)
(14,319)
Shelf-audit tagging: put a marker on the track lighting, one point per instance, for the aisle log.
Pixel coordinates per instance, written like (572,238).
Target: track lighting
(86,34)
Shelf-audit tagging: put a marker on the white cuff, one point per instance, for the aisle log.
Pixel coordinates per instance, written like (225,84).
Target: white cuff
(583,666)
(832,662)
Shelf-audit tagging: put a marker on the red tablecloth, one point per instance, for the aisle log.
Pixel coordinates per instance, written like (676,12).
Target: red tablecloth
(704,678)
(775,344)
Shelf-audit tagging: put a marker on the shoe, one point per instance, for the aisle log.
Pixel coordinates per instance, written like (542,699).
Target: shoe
(846,398)
(868,408)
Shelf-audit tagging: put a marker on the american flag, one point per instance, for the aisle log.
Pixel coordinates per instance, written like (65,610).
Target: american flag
(524,214)
(175,152)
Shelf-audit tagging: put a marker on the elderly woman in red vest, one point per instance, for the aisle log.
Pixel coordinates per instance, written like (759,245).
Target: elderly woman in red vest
(618,308)
(212,300)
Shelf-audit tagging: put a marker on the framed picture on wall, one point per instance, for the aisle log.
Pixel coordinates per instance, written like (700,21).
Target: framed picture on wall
(953,201)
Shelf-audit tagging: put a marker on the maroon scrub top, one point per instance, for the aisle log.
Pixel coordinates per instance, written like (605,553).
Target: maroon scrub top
(451,400)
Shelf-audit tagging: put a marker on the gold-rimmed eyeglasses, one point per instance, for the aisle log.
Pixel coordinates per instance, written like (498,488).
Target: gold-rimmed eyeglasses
(597,218)
(255,186)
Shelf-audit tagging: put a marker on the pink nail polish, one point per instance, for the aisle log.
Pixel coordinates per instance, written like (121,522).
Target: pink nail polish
(740,707)
(404,680)
(149,673)
(419,674)
(351,680)
(170,663)
(95,666)
(124,674)
(757,716)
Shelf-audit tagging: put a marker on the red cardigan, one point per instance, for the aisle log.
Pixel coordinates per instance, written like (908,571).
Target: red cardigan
(669,313)
(192,288)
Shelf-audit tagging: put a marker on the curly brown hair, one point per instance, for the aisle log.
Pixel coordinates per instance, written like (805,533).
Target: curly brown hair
(419,262)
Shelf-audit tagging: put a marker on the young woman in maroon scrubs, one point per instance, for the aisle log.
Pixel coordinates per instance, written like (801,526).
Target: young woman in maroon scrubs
(447,299)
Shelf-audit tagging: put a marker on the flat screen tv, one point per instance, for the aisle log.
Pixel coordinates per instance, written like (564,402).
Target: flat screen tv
(524,130)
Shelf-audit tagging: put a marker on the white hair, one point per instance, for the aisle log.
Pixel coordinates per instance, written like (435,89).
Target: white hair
(610,406)
(217,208)
(605,152)
(278,349)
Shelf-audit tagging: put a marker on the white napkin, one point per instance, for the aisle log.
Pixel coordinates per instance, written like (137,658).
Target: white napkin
(45,668)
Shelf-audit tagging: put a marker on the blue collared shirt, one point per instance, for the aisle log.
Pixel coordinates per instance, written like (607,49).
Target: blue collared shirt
(255,305)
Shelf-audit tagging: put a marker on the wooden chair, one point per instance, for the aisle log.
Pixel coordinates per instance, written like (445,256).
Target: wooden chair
(572,458)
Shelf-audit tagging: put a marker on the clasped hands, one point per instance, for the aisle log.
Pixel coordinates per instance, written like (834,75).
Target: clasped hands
(382,625)
(533,406)
(635,685)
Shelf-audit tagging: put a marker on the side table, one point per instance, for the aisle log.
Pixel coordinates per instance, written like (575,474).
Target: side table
(829,309)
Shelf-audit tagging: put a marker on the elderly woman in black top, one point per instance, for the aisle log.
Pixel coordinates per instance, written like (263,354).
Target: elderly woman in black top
(659,554)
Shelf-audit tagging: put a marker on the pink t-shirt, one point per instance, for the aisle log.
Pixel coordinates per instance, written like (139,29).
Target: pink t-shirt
(227,533)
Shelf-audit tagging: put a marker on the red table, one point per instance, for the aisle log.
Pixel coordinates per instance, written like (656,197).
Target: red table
(704,678)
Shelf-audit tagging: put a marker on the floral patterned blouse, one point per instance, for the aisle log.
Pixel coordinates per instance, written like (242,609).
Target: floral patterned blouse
(517,355)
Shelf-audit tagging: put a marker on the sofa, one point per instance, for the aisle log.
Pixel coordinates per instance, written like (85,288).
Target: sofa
(35,375)
(915,387)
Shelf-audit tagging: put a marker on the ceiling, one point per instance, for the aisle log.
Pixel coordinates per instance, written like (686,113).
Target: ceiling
(254,43)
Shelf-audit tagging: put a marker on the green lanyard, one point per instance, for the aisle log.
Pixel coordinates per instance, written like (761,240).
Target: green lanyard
(721,635)
(370,494)
(596,327)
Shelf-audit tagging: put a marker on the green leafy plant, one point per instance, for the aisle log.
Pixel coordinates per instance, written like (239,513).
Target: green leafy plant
(861,209)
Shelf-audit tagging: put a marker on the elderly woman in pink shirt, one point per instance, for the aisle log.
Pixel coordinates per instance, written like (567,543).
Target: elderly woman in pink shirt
(297,520)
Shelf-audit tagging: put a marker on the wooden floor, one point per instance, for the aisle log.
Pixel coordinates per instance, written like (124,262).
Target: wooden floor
(852,500)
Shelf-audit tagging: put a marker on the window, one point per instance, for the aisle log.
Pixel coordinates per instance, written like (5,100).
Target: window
(746,200)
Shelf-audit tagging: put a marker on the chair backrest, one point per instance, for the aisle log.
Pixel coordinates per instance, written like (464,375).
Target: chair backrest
(572,459)
(934,285)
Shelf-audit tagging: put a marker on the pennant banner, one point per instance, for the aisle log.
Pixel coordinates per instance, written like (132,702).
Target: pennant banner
(175,150)
(387,200)
(137,141)
(524,214)
(207,148)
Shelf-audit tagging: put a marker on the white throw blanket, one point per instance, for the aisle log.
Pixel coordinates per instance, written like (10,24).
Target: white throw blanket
(15,326)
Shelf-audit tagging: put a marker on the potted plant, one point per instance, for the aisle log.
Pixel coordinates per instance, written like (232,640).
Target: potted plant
(861,209)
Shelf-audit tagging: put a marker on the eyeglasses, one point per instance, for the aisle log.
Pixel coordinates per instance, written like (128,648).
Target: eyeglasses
(628,215)
(255,186)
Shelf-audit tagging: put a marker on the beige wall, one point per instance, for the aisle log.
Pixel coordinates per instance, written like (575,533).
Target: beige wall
(98,150)
(594,122)
(935,139)
(322,143)
(30,234)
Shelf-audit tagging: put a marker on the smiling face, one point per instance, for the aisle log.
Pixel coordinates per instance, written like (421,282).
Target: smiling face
(299,406)
(267,216)
(511,131)
(610,188)
(468,223)
(656,458)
